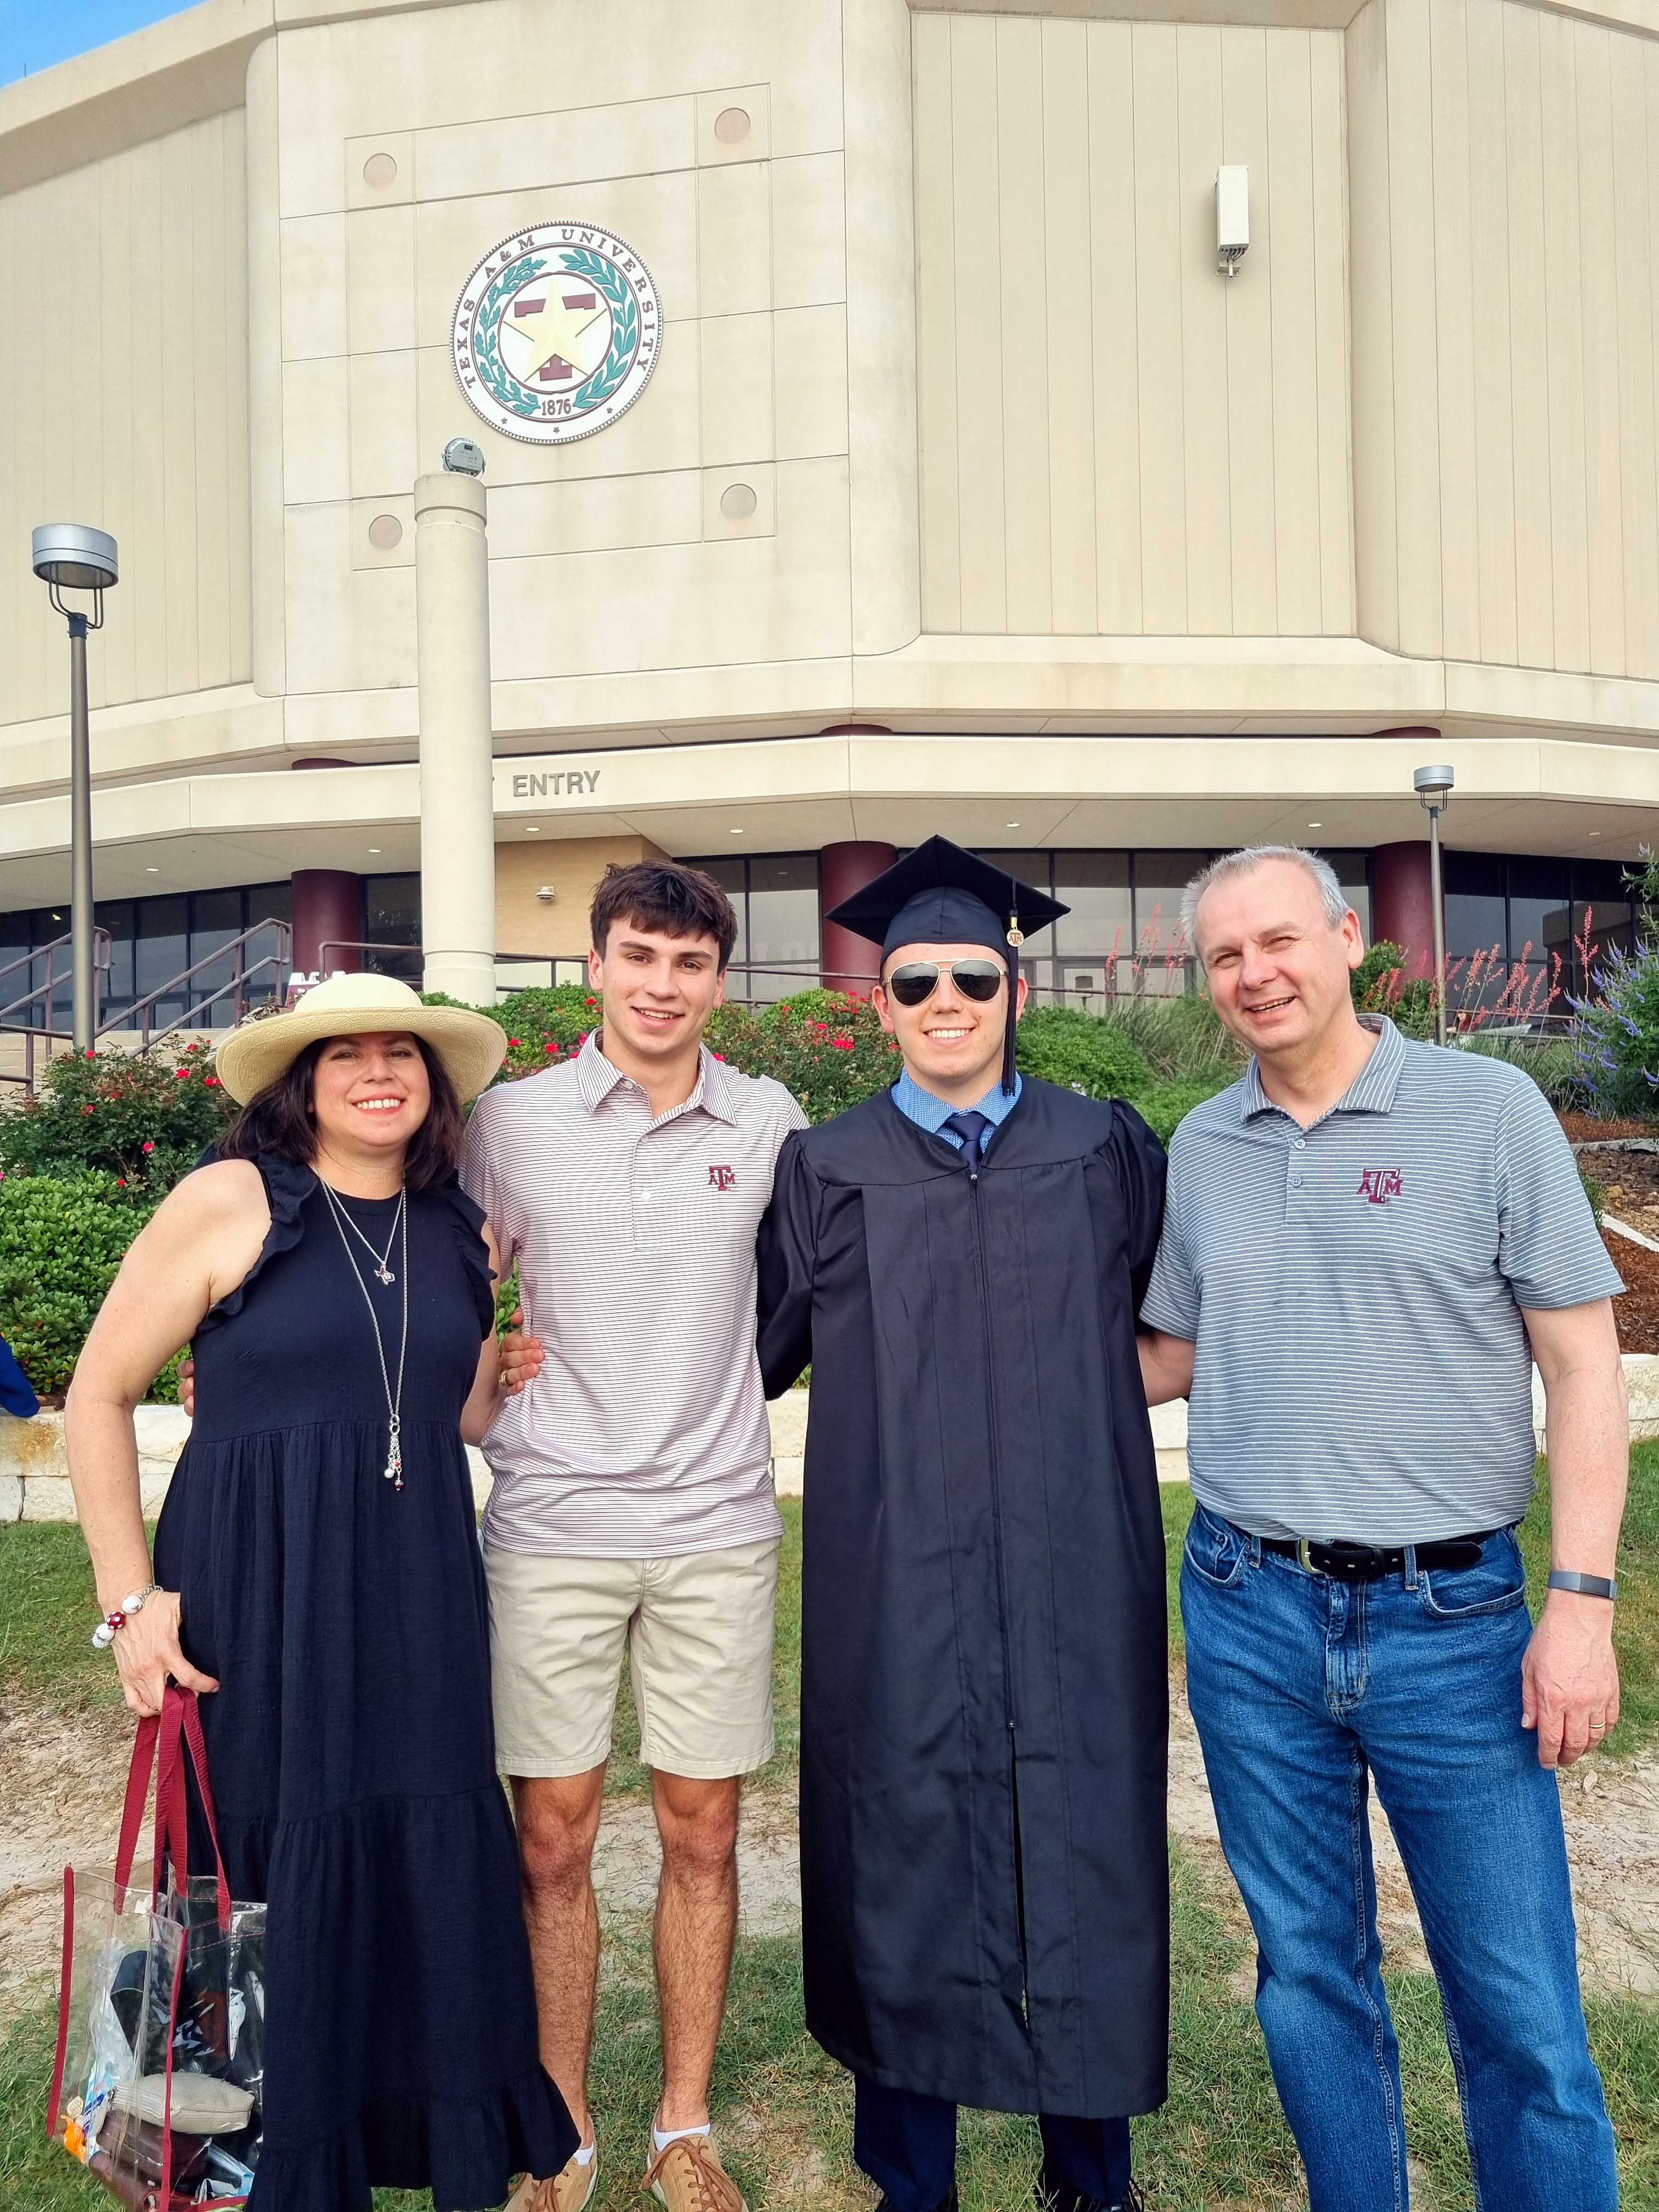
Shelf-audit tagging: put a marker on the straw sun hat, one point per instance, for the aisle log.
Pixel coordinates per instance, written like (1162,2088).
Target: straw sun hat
(471,1046)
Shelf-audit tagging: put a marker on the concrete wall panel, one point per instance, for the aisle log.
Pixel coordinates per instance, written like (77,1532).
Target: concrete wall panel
(1113,437)
(124,370)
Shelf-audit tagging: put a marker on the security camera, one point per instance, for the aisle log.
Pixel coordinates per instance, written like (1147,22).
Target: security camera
(546,894)
(463,458)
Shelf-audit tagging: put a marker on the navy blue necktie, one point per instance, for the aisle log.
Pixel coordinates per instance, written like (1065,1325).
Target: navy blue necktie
(972,1129)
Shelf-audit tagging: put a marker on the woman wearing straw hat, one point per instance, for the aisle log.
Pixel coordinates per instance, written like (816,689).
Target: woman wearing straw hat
(316,1578)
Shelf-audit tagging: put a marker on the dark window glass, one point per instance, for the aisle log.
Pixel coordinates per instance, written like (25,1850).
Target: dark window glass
(783,920)
(1095,942)
(17,972)
(215,920)
(162,952)
(733,878)
(1161,951)
(1475,918)
(391,915)
(1353,873)
(118,916)
(267,903)
(1541,923)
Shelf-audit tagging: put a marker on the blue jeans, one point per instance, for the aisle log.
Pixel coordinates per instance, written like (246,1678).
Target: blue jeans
(1302,1688)
(906,2144)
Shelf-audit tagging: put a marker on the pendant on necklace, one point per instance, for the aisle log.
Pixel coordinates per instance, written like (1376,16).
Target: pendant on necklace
(384,1274)
(394,1463)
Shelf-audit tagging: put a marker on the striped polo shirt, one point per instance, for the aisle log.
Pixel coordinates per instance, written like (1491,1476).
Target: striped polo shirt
(645,1436)
(1354,1290)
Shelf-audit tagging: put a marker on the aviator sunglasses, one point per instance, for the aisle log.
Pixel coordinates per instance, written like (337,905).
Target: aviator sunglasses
(917,980)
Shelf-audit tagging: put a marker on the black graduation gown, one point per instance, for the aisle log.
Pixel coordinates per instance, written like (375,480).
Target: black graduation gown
(984,1698)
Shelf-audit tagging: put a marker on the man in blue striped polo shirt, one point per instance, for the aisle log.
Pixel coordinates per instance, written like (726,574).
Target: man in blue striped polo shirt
(1366,1245)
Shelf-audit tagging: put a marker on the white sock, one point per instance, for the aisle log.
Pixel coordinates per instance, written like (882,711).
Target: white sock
(588,2153)
(659,2141)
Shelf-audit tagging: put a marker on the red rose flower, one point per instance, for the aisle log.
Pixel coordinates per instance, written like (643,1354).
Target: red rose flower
(511,1043)
(212,1082)
(148,1144)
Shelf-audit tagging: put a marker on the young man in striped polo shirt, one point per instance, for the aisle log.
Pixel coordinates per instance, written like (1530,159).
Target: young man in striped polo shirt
(632,1510)
(1367,1243)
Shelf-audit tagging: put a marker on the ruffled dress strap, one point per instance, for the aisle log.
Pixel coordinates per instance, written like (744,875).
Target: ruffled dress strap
(288,1184)
(468,1218)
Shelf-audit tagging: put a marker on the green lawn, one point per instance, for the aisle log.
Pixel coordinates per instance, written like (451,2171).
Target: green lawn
(783,2108)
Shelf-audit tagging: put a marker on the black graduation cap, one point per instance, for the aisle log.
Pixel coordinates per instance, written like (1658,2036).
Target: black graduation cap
(941,895)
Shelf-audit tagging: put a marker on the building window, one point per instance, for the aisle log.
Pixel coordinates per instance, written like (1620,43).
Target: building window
(775,896)
(391,916)
(152,942)
(1517,922)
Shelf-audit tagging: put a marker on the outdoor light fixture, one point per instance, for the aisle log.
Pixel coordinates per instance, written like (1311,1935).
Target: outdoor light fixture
(68,556)
(1433,787)
(1232,217)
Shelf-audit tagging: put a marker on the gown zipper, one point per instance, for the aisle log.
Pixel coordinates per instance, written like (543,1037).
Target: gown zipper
(1002,1594)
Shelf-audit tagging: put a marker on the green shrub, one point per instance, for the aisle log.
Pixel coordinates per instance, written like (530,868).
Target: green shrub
(830,1060)
(1180,1038)
(1080,1052)
(1548,1061)
(1162,1105)
(135,1117)
(1371,983)
(813,1005)
(62,1238)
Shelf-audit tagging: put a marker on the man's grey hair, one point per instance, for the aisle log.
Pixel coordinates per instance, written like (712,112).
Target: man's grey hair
(1332,897)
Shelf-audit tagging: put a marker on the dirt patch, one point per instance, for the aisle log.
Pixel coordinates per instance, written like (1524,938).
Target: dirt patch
(61,1788)
(61,1783)
(1610,1809)
(1637,1312)
(627,1857)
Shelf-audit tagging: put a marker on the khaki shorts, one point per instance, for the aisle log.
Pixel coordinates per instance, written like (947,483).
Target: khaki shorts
(698,1634)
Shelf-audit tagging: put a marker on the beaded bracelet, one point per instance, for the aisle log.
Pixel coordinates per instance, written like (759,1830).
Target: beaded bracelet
(104,1635)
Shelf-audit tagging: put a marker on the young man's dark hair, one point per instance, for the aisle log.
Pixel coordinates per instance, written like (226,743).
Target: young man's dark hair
(664,895)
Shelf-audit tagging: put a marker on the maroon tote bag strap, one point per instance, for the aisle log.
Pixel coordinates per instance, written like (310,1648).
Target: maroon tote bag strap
(132,1810)
(181,1719)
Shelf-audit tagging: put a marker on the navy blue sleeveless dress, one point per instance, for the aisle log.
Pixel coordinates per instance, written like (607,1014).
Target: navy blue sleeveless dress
(349,1744)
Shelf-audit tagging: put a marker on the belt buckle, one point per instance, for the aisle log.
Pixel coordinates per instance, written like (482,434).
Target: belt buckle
(1304,1558)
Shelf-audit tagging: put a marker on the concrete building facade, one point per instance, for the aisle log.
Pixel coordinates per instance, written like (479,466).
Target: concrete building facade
(964,491)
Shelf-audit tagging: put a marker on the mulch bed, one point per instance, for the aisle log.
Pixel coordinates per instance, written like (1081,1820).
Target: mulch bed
(1580,1129)
(1630,1183)
(1637,1311)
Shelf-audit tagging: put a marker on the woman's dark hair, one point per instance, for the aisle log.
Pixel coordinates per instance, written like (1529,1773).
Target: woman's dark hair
(279,1120)
(662,895)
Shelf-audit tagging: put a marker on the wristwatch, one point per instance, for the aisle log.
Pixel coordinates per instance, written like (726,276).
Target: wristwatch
(1563,1578)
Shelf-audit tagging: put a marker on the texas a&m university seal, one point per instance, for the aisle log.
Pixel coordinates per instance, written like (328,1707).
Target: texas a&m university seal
(556,332)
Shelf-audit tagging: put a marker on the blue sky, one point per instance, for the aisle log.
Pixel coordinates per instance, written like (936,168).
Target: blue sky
(35,33)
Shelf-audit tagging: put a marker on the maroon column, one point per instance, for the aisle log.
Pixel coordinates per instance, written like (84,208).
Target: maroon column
(1401,907)
(850,963)
(328,907)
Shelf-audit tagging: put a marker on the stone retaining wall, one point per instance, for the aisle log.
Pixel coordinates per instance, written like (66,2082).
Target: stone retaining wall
(34,1474)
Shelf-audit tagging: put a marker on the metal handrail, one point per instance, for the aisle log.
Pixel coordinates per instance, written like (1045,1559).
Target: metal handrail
(31,1033)
(359,944)
(101,963)
(280,961)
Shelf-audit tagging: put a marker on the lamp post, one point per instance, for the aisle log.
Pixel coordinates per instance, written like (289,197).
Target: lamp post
(1433,787)
(68,556)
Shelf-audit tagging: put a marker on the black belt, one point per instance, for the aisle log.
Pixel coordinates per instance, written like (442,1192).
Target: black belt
(1368,1563)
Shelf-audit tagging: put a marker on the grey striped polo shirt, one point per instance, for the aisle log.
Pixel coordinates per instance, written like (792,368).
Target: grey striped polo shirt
(645,1436)
(1354,1290)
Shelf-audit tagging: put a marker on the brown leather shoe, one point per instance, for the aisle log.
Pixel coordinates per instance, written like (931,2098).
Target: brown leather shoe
(690,2177)
(568,2191)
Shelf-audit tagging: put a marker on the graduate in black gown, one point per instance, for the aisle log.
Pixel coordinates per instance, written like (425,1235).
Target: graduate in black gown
(984,1703)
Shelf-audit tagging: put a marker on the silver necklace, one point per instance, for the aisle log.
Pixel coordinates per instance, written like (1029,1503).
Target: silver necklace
(382,1260)
(393,1469)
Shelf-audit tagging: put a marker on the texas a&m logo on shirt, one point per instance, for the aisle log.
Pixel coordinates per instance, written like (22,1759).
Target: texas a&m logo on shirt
(722,1178)
(1379,1185)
